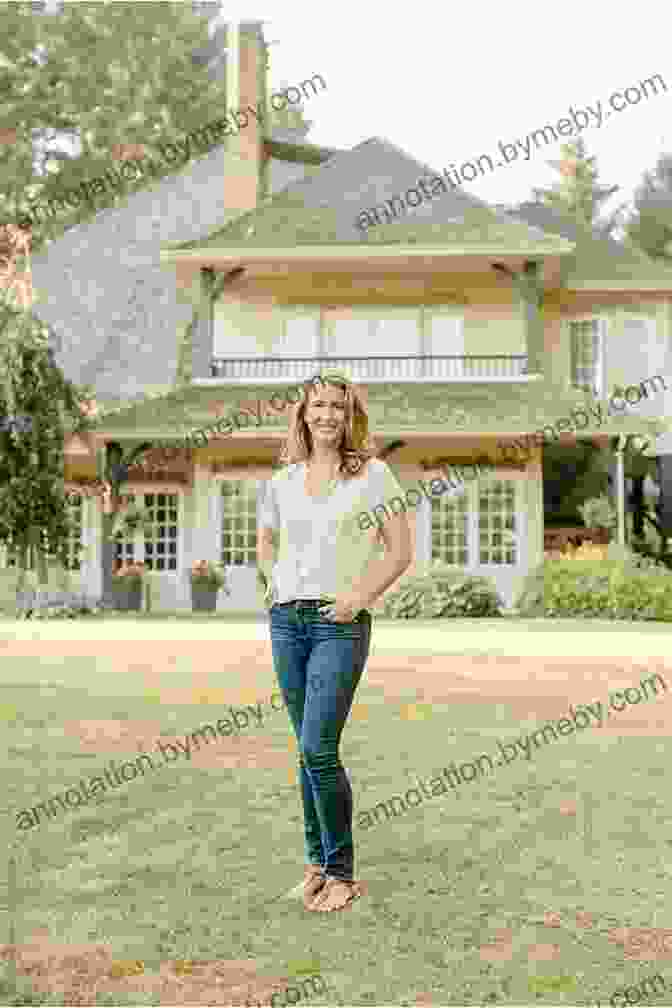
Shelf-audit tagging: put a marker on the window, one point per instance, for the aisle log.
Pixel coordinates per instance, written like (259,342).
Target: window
(157,547)
(450,530)
(444,337)
(372,332)
(477,527)
(348,333)
(299,334)
(239,523)
(497,522)
(644,354)
(587,343)
(235,329)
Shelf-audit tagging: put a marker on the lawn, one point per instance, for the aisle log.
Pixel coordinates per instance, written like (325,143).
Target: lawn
(540,869)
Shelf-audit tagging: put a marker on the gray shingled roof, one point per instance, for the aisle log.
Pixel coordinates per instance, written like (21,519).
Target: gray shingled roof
(322,208)
(111,306)
(599,262)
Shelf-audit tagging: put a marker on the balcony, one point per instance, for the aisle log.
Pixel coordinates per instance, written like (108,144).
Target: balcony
(280,370)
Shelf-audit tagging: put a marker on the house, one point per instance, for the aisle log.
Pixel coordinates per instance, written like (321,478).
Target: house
(466,327)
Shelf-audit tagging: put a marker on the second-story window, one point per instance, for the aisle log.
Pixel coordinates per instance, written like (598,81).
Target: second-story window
(298,333)
(371,332)
(587,352)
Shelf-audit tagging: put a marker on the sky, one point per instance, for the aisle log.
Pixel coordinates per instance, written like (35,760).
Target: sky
(447,82)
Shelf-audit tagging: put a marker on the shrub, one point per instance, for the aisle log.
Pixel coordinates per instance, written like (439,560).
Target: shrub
(443,592)
(598,581)
(63,611)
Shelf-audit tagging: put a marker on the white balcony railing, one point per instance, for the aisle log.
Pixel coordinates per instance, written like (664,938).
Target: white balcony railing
(496,367)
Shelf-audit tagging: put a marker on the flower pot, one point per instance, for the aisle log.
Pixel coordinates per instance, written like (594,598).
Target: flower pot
(203,598)
(127,597)
(600,536)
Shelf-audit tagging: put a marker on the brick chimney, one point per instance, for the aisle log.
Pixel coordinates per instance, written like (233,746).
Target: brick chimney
(246,90)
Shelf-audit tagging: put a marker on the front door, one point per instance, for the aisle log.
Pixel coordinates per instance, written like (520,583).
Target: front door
(480,531)
(238,543)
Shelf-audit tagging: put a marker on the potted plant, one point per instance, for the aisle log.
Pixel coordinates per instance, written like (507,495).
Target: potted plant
(206,581)
(127,581)
(599,516)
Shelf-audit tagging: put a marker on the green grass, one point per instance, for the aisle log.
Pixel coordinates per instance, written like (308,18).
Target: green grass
(188,864)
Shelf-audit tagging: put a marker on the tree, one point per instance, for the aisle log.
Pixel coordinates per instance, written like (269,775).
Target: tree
(649,226)
(118,86)
(578,193)
(33,509)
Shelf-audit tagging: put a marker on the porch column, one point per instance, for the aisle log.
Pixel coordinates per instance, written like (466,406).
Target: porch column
(202,327)
(531,296)
(201,542)
(92,546)
(532,551)
(620,492)
(529,289)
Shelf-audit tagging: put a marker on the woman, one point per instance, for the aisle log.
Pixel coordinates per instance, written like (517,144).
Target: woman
(327,575)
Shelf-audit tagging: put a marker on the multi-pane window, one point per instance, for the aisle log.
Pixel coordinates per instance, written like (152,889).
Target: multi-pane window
(497,522)
(239,523)
(157,544)
(586,351)
(161,536)
(478,527)
(449,530)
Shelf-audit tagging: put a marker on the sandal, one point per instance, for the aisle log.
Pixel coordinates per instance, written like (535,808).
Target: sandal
(330,889)
(313,881)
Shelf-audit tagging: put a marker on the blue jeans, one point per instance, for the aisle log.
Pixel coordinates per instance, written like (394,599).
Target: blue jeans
(318,664)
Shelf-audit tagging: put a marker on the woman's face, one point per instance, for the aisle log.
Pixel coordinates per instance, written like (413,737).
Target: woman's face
(325,414)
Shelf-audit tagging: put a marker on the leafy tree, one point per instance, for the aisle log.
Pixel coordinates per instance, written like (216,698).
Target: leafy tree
(578,193)
(649,226)
(117,85)
(33,509)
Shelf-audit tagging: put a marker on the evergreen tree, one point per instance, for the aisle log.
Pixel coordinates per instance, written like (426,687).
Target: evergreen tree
(649,226)
(33,509)
(578,193)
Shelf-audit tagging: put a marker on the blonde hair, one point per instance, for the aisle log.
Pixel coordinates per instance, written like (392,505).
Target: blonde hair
(355,448)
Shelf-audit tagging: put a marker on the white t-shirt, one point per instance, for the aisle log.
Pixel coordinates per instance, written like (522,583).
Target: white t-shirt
(323,548)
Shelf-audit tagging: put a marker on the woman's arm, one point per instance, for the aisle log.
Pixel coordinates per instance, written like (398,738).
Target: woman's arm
(396,535)
(265,553)
(366,590)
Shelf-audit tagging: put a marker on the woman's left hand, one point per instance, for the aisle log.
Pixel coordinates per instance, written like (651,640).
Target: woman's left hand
(343,609)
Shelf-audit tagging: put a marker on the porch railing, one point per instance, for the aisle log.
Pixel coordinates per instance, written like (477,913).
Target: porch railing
(365,369)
